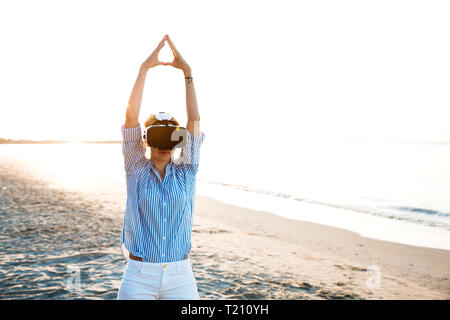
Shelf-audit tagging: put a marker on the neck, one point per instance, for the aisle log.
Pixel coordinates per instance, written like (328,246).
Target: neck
(160,165)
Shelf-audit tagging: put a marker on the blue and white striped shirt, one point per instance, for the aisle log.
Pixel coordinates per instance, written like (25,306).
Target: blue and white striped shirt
(158,219)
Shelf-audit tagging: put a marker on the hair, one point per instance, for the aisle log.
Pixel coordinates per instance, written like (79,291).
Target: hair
(151,120)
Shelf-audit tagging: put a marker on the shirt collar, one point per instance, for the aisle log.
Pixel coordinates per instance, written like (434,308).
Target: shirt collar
(168,167)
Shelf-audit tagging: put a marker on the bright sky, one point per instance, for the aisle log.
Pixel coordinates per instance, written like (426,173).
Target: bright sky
(365,70)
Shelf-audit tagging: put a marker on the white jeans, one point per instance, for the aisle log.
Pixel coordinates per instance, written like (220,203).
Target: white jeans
(151,281)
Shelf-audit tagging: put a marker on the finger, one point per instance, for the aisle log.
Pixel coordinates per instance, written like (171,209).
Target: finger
(161,44)
(172,46)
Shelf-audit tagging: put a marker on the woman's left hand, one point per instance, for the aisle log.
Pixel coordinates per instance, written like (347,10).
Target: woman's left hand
(178,61)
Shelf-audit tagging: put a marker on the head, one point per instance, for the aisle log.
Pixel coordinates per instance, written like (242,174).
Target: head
(155,153)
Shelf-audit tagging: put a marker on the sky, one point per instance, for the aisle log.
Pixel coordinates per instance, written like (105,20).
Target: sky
(266,73)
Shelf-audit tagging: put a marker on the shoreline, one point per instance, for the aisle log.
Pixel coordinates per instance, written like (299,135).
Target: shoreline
(362,221)
(320,255)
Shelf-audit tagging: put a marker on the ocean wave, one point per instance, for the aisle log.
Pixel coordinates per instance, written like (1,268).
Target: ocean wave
(422,210)
(400,213)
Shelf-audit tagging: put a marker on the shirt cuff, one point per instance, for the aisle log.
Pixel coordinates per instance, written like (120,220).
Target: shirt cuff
(131,134)
(193,139)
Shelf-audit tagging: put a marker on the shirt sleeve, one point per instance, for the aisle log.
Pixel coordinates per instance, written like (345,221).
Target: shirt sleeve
(133,148)
(190,155)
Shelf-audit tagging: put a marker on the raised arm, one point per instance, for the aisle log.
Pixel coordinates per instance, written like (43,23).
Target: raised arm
(190,153)
(133,146)
(193,115)
(135,101)
(134,104)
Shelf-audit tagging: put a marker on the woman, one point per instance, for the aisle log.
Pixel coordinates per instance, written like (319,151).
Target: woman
(157,227)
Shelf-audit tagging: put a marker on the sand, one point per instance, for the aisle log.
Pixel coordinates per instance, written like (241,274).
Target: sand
(266,255)
(237,253)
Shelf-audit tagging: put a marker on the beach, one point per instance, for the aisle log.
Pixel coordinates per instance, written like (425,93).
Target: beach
(277,258)
(59,244)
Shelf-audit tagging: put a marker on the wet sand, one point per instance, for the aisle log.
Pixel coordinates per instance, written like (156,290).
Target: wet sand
(50,237)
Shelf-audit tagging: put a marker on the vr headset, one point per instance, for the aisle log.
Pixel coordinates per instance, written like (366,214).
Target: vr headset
(165,136)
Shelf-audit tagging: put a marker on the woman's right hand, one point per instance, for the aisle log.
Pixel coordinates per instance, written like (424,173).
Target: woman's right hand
(152,60)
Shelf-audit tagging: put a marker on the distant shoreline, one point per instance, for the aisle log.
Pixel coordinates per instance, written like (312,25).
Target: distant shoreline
(10,141)
(25,141)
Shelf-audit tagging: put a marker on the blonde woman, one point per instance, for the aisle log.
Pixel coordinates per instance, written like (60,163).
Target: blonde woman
(157,226)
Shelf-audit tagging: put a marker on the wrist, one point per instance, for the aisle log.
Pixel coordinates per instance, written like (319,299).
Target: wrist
(143,69)
(187,72)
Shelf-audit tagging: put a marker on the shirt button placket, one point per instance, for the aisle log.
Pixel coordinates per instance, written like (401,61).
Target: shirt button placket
(164,227)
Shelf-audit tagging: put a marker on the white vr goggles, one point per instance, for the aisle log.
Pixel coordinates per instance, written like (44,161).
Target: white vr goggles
(165,136)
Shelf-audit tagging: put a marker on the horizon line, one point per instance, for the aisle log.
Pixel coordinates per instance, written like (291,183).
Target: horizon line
(50,141)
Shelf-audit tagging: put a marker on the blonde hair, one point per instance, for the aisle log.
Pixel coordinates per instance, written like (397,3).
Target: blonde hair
(151,120)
